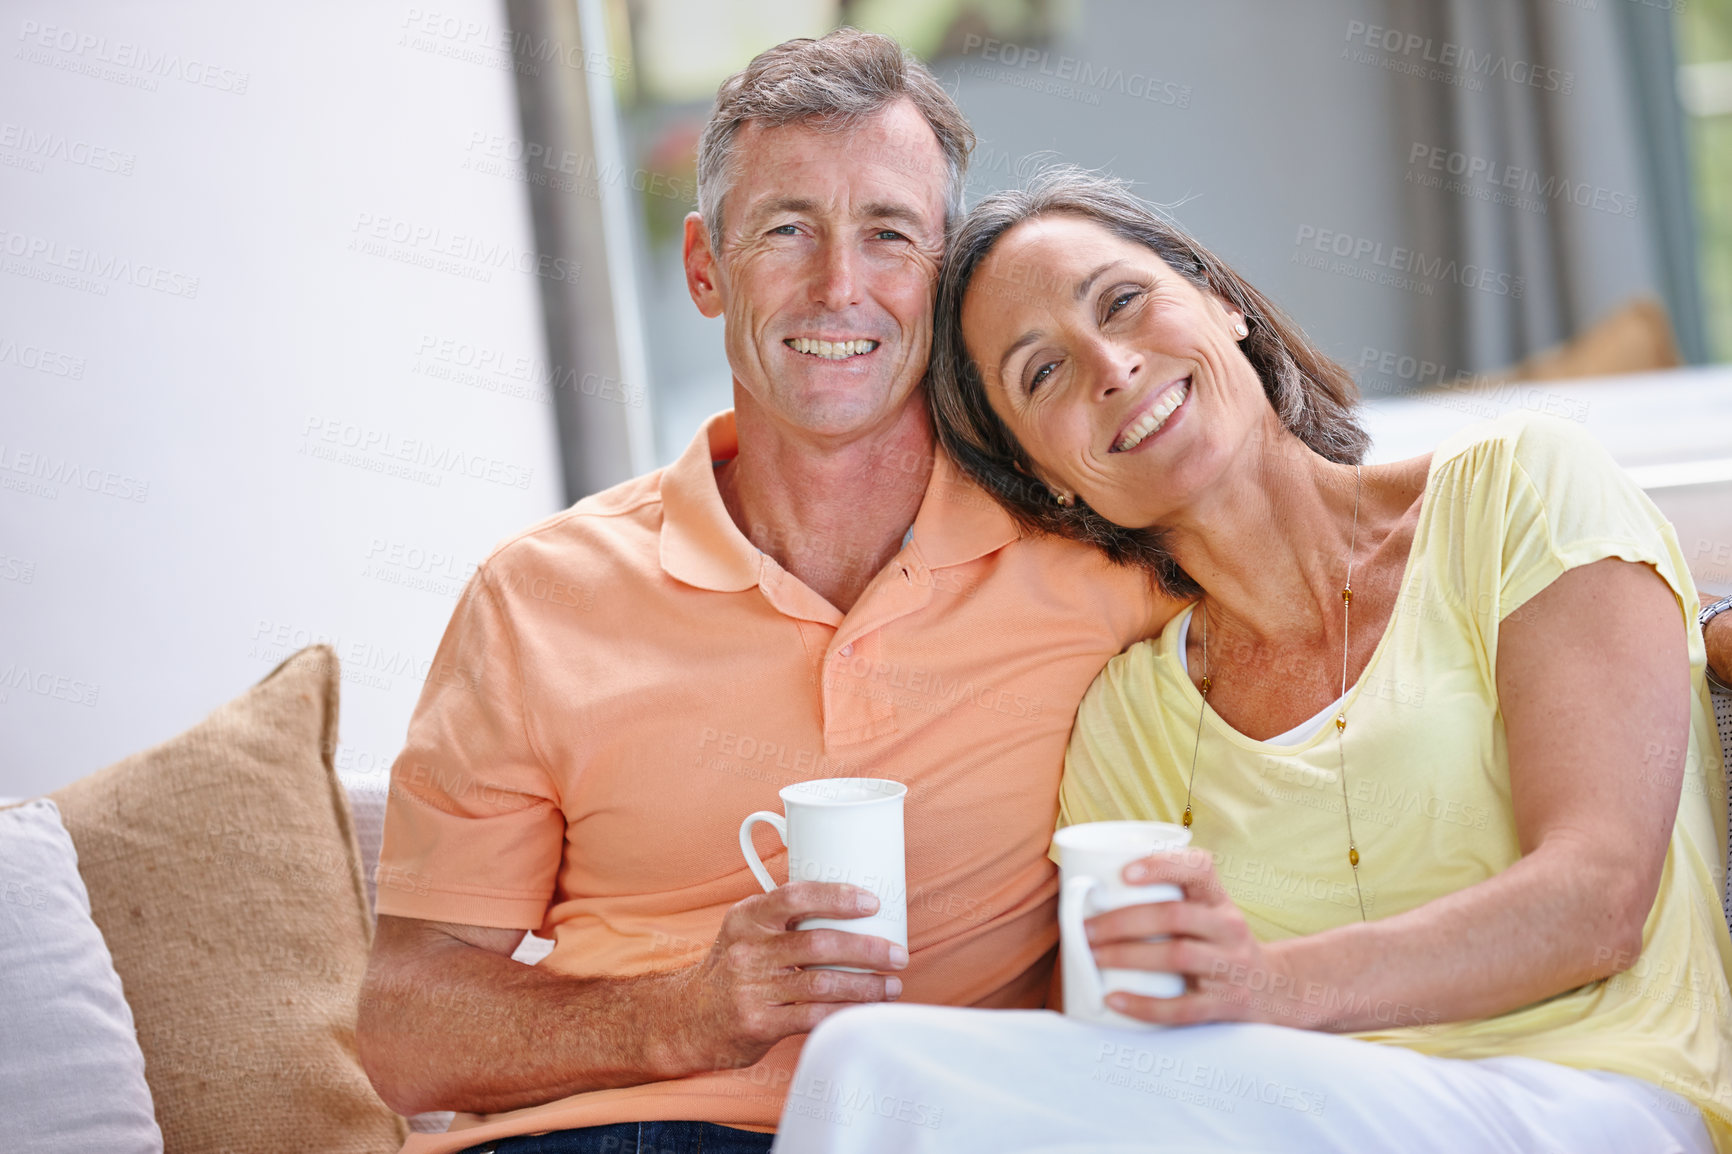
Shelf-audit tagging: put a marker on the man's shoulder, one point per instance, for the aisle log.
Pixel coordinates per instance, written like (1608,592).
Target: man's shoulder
(617,526)
(1081,575)
(1069,562)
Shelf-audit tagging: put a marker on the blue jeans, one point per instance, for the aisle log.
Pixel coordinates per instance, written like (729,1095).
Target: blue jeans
(635,1138)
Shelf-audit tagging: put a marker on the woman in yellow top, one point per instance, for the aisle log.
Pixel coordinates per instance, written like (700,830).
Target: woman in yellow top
(1472,811)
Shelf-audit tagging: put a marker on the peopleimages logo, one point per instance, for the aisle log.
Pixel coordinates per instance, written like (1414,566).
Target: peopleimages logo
(412,458)
(41,360)
(44,683)
(87,269)
(461,254)
(1404,267)
(1415,54)
(42,474)
(462,38)
(1087,78)
(477,365)
(108,59)
(532,162)
(1484,179)
(1478,395)
(37,146)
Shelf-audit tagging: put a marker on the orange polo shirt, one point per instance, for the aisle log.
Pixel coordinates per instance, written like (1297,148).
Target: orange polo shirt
(623,683)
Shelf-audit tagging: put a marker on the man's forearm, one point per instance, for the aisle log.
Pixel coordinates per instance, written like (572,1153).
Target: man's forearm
(449,1022)
(1717,637)
(461,1028)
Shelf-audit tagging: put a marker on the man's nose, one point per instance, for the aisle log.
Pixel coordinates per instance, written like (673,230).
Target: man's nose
(836,280)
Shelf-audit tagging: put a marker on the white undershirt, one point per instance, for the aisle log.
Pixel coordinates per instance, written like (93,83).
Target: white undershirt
(1299,733)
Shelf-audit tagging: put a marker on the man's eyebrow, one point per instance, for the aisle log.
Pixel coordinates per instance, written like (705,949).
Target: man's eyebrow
(784,204)
(888,210)
(873,210)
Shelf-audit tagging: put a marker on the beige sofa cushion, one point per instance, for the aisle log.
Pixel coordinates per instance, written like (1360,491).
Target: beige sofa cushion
(1636,338)
(223,872)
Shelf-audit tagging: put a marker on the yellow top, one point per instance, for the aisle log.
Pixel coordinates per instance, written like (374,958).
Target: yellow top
(1508,507)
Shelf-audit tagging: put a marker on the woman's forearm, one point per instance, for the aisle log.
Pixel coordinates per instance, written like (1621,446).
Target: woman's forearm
(1592,675)
(1559,918)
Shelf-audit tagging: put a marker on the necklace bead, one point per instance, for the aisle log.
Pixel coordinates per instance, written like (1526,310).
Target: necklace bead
(1340,717)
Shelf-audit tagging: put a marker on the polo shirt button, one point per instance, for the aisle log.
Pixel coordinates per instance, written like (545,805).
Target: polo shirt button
(846,651)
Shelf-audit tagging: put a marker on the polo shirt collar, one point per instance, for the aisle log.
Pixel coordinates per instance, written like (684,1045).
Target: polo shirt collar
(958,520)
(701,546)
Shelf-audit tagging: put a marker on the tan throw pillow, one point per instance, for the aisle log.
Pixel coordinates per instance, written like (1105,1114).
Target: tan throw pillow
(223,872)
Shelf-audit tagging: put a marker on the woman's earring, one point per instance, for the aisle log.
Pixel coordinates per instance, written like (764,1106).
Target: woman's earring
(1241,329)
(1063,499)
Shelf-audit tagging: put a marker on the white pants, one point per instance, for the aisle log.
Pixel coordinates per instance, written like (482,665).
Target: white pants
(928,1078)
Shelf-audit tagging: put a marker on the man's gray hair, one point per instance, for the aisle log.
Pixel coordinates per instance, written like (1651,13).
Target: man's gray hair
(834,83)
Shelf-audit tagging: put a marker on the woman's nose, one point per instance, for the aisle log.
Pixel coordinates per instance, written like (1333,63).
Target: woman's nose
(1114,367)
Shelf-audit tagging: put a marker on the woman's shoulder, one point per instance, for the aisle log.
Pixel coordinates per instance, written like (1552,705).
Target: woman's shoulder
(1539,445)
(1132,669)
(1523,472)
(1131,677)
(1525,497)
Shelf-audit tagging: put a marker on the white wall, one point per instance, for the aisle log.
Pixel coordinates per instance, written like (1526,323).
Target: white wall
(228,232)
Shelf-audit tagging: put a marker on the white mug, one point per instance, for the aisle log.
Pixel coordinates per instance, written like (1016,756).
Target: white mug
(1092,857)
(842,829)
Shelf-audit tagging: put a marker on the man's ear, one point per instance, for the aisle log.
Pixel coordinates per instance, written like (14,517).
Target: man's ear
(701,267)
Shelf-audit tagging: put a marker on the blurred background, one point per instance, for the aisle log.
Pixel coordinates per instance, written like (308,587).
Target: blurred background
(303,310)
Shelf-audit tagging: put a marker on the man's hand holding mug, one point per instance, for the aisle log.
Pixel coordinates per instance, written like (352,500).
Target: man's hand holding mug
(831,937)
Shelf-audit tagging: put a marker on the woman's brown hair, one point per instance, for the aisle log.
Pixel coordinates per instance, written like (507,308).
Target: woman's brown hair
(1313,397)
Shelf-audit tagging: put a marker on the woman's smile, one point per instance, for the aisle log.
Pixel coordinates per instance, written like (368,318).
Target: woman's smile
(1153,418)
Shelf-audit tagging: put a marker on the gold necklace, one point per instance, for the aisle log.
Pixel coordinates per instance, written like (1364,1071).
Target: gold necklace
(1341,712)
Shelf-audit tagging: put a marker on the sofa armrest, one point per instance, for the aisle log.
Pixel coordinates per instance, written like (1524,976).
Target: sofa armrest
(367,803)
(1723,722)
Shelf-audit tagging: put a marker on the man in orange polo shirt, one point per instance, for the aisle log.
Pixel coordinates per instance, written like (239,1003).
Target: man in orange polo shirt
(807,592)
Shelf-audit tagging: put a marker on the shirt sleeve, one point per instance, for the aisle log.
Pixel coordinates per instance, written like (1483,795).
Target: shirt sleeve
(1108,765)
(473,826)
(1569,504)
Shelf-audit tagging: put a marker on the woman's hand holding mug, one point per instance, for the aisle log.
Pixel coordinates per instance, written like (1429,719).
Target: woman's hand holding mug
(1229,976)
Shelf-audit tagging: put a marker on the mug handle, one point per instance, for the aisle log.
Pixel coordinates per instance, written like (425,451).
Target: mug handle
(751,851)
(1078,957)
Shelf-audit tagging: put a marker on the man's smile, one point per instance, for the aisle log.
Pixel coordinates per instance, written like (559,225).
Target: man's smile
(831,350)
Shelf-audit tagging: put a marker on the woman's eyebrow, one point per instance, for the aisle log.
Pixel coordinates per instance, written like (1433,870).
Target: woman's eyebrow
(1023,341)
(1082,290)
(1088,282)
